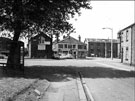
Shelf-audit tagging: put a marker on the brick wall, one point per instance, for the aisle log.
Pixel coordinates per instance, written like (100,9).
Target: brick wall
(130,44)
(126,45)
(97,49)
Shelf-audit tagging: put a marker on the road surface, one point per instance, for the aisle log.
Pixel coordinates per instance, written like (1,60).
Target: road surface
(107,80)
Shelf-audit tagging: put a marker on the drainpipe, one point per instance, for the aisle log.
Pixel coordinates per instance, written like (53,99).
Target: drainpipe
(131,44)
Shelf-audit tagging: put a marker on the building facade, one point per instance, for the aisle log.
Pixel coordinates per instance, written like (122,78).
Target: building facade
(101,47)
(126,39)
(72,46)
(40,46)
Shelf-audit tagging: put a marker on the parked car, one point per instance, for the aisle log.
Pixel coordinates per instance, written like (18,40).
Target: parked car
(2,56)
(92,54)
(66,56)
(56,56)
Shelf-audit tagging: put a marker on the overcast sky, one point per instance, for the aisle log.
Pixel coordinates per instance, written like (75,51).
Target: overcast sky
(113,14)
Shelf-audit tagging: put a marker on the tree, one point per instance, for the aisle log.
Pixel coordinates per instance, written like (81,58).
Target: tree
(21,16)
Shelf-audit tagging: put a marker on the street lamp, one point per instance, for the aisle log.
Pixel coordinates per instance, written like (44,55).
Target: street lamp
(111,41)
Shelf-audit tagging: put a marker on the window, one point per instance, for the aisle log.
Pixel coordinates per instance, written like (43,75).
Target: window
(91,50)
(91,46)
(60,46)
(85,47)
(69,46)
(0,46)
(126,56)
(98,45)
(122,37)
(65,45)
(98,50)
(74,46)
(127,35)
(80,47)
(41,40)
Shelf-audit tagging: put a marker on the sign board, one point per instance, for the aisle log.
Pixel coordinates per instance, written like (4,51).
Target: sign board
(47,42)
(41,47)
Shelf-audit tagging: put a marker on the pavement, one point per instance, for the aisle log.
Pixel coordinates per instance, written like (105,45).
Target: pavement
(63,91)
(115,63)
(108,87)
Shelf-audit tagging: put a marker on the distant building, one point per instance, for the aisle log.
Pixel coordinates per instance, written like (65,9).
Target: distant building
(126,45)
(101,47)
(40,46)
(70,45)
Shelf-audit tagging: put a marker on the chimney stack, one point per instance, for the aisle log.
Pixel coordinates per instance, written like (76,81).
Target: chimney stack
(79,38)
(64,36)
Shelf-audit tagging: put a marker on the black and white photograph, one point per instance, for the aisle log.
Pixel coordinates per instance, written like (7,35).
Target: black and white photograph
(67,50)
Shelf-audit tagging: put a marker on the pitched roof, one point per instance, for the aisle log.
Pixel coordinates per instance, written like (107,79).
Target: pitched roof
(41,34)
(128,26)
(70,39)
(100,40)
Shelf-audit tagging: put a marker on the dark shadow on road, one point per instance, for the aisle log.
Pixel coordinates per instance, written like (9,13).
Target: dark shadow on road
(62,73)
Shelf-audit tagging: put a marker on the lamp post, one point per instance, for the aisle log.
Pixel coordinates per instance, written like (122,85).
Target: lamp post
(111,41)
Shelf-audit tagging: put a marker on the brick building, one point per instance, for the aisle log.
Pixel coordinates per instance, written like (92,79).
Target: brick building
(126,45)
(70,45)
(40,46)
(101,47)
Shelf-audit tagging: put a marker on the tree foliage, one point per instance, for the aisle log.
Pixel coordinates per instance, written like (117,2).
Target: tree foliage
(49,15)
(24,16)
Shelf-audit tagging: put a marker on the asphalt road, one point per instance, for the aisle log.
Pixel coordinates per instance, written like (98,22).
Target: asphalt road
(107,80)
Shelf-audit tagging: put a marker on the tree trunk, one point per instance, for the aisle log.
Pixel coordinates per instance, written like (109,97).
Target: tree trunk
(12,60)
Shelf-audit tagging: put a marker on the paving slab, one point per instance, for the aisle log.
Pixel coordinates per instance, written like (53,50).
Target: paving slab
(62,91)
